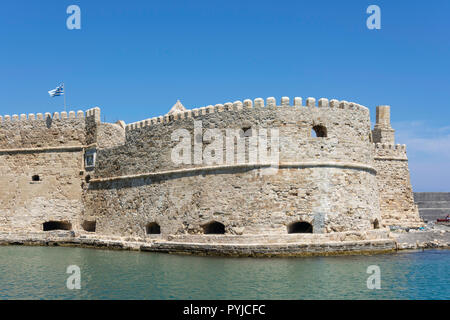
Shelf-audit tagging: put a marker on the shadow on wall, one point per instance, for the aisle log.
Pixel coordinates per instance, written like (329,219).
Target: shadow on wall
(153,228)
(300,227)
(57,225)
(89,226)
(213,227)
(319,131)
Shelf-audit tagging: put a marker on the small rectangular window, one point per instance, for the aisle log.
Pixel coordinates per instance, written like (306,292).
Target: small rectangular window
(89,158)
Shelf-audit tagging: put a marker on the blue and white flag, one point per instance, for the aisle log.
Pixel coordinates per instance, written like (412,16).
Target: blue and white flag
(57,92)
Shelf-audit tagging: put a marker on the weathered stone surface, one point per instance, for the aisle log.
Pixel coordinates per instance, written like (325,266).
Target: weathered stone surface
(346,184)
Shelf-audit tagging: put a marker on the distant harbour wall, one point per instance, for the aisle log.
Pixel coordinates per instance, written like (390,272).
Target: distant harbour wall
(433,205)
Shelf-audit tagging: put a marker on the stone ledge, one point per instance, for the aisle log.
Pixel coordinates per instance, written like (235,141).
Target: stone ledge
(278,249)
(279,238)
(227,249)
(390,159)
(343,165)
(44,149)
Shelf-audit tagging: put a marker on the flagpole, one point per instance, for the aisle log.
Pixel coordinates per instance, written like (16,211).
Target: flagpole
(64,87)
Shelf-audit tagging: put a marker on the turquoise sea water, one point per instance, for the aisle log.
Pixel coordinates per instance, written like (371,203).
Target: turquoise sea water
(40,273)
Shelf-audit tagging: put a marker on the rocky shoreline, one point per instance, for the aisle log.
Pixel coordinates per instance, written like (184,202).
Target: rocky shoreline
(431,236)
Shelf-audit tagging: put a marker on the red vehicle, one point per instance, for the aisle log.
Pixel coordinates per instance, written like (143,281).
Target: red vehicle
(447,219)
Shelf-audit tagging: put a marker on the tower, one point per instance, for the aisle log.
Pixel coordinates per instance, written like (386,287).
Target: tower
(383,132)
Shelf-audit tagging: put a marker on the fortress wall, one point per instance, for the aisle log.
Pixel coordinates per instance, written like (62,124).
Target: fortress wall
(25,204)
(42,130)
(328,182)
(149,145)
(396,197)
(339,183)
(50,147)
(103,135)
(245,201)
(110,135)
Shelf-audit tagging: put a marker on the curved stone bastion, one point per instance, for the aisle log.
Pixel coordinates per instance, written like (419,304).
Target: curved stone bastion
(251,178)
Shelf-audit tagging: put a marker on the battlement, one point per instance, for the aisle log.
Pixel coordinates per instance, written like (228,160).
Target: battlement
(93,112)
(248,104)
(49,130)
(390,151)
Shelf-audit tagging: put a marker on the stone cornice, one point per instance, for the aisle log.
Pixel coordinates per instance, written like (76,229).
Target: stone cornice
(43,149)
(391,159)
(342,165)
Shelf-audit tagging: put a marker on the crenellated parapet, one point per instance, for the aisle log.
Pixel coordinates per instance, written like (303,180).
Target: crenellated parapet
(64,115)
(308,129)
(42,116)
(48,130)
(384,151)
(238,105)
(94,114)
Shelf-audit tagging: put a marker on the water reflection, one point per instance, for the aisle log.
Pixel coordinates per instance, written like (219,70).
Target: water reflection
(40,273)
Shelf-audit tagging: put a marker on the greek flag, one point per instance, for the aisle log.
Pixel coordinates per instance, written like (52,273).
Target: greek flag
(57,92)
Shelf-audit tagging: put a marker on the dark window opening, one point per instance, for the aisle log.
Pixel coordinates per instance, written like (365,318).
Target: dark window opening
(87,178)
(89,226)
(214,228)
(376,224)
(247,131)
(36,178)
(300,227)
(57,225)
(319,131)
(153,228)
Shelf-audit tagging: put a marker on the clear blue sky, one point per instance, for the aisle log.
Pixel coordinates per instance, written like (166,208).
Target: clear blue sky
(134,59)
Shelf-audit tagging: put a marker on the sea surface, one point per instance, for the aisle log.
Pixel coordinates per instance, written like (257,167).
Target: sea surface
(41,273)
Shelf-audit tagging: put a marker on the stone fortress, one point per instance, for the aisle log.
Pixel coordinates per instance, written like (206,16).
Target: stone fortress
(338,185)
